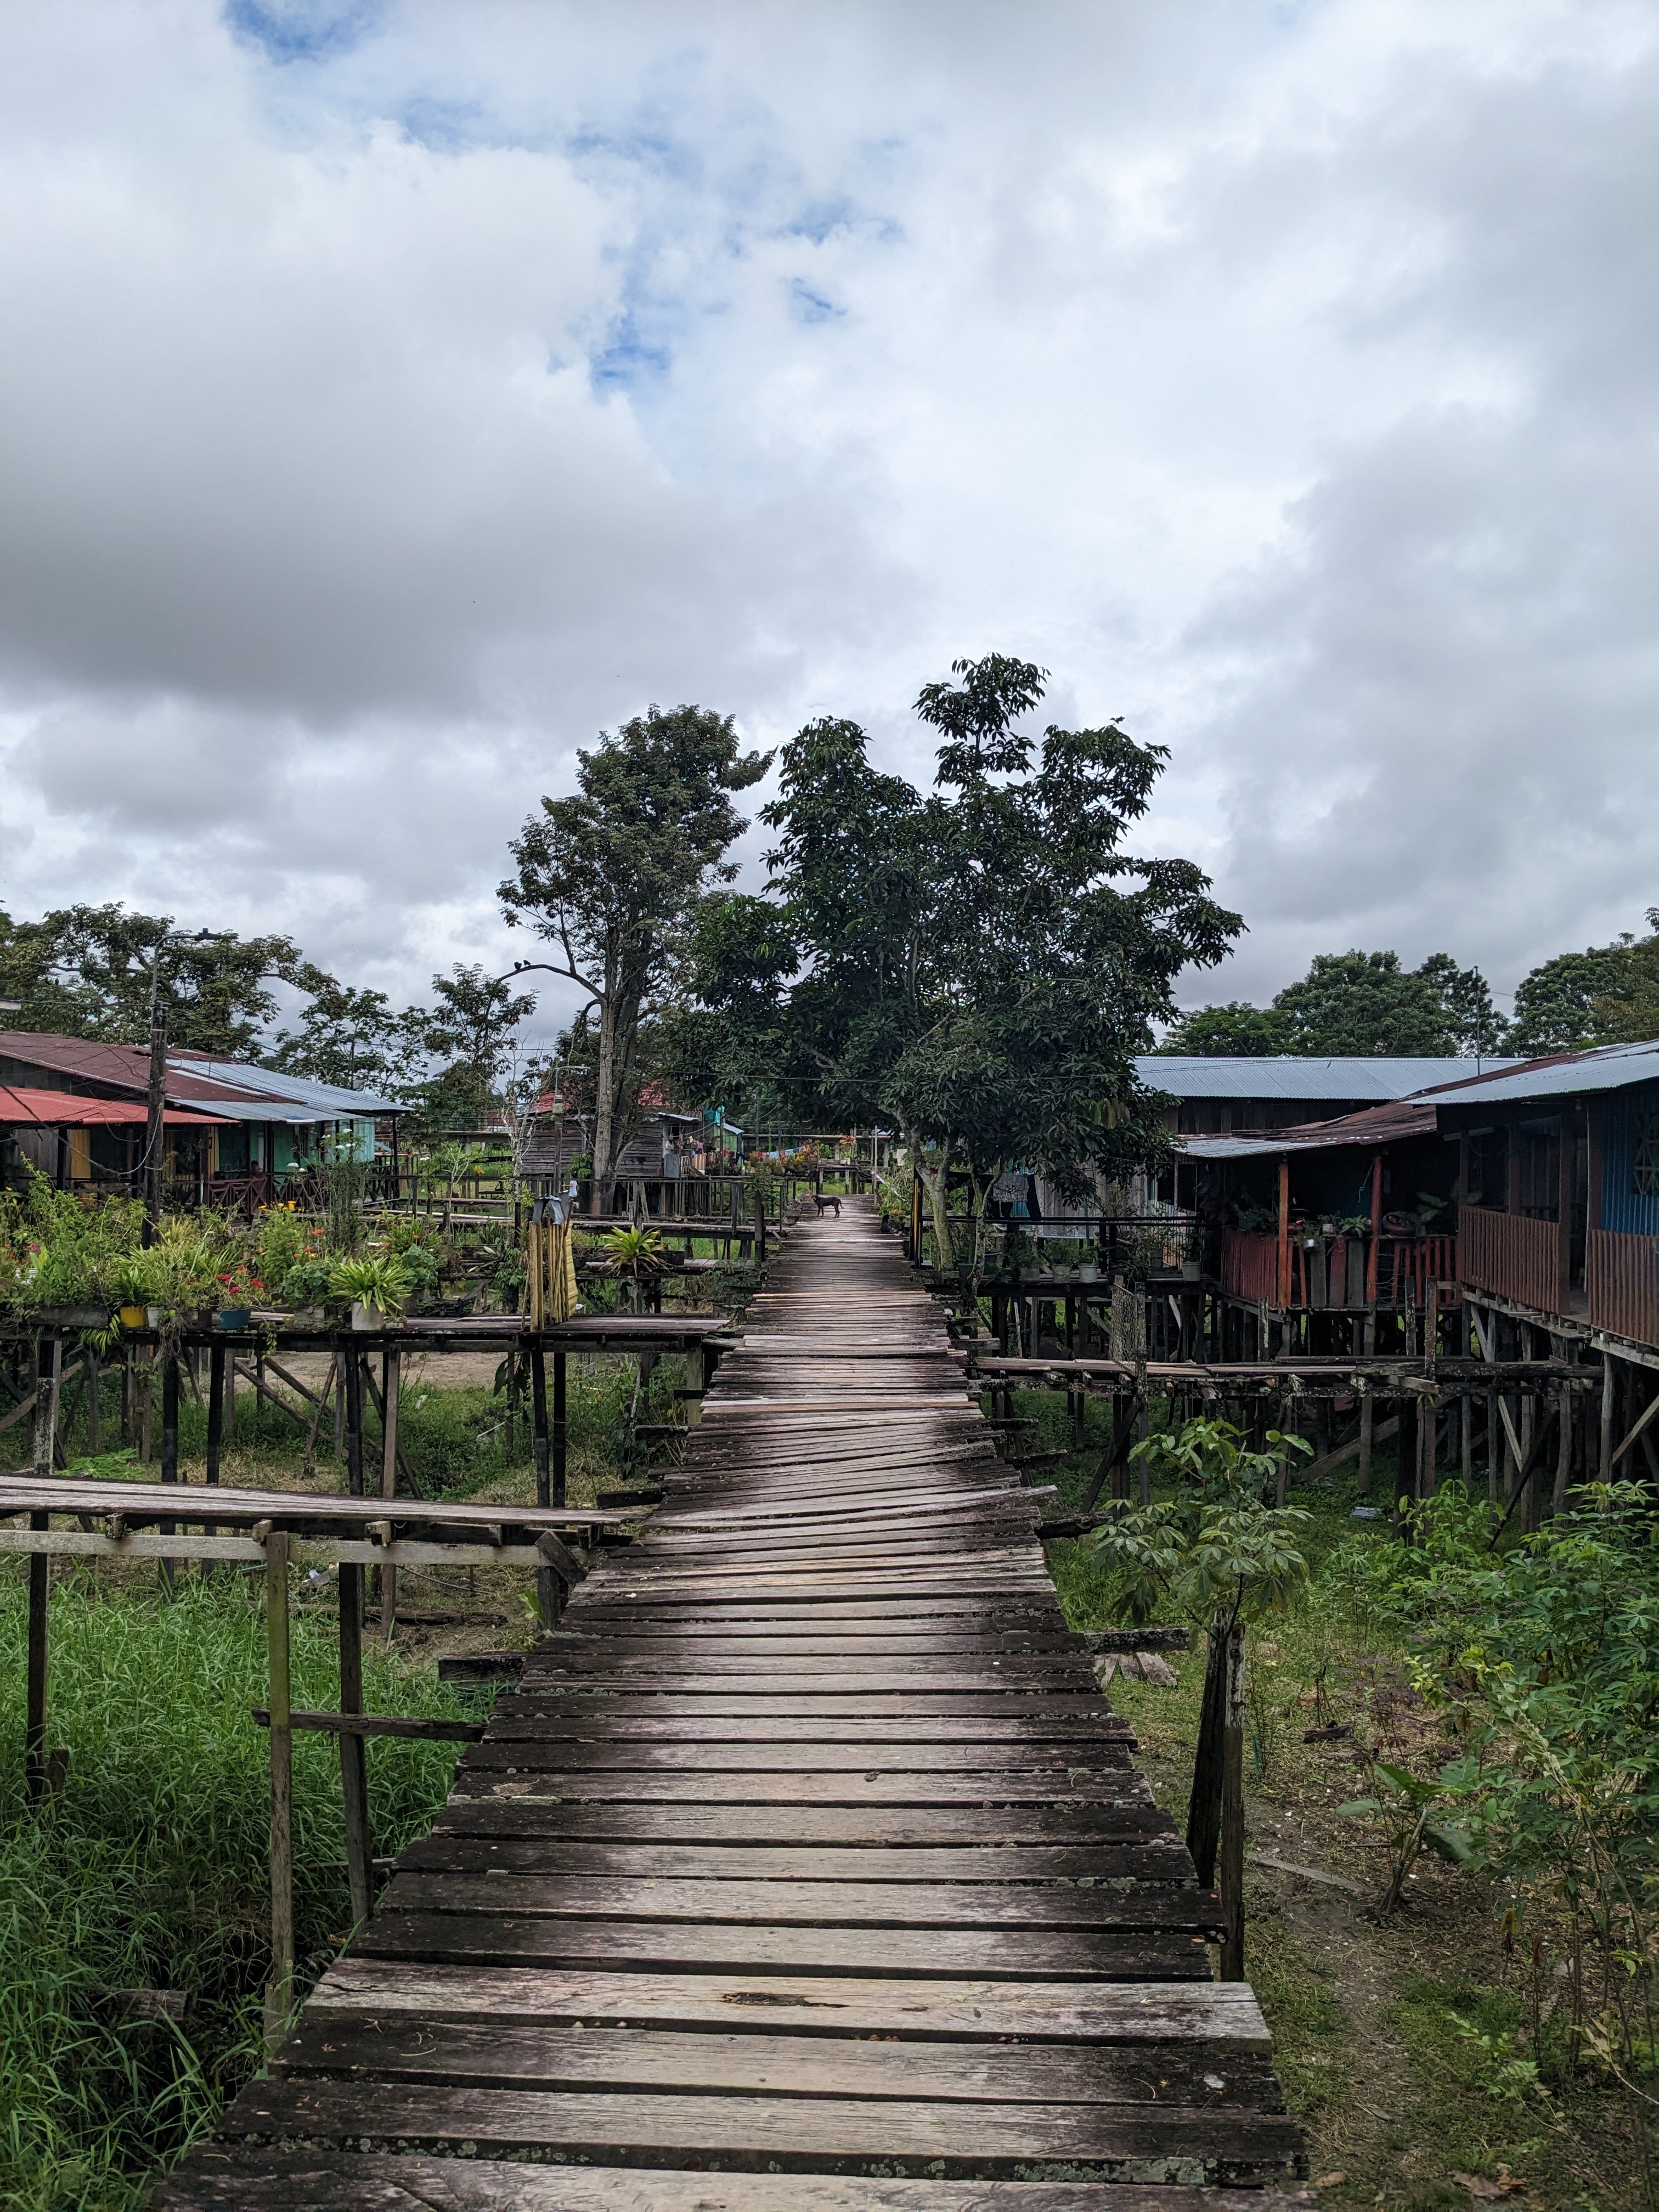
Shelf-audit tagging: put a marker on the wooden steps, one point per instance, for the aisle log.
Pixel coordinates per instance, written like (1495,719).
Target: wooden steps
(805,1870)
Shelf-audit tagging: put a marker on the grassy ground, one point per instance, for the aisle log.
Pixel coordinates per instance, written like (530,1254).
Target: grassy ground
(1401,2046)
(150,1871)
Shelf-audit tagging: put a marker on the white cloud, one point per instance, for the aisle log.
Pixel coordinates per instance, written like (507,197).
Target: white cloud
(394,396)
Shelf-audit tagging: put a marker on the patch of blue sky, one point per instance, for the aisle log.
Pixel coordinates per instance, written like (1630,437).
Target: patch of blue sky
(810,307)
(815,224)
(450,126)
(627,358)
(303,30)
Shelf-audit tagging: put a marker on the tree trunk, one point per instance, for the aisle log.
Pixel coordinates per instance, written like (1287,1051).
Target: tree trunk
(604,1171)
(934,1183)
(1204,1806)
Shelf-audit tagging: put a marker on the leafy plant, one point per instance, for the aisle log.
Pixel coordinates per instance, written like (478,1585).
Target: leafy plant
(1402,1803)
(372,1279)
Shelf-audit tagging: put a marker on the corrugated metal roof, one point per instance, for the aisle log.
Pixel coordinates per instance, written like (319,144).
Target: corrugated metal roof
(331,1100)
(240,1093)
(1377,1125)
(1611,1067)
(1284,1075)
(62,1109)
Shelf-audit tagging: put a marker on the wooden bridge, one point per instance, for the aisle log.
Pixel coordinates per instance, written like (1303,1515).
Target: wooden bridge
(806,1871)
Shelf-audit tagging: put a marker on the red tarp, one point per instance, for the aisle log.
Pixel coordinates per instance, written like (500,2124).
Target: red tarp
(61,1109)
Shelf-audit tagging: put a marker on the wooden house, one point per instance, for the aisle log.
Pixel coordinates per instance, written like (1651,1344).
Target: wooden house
(236,1132)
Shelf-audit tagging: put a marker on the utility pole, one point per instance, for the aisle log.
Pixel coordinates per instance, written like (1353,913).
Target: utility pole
(156,1123)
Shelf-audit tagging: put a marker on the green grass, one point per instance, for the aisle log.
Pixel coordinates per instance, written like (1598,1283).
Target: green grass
(152,1871)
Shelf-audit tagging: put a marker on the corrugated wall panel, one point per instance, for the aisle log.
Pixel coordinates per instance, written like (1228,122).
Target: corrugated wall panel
(1623,1120)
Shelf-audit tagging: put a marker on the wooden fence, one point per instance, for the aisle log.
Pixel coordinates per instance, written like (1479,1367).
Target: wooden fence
(1622,1278)
(1330,1272)
(1512,1257)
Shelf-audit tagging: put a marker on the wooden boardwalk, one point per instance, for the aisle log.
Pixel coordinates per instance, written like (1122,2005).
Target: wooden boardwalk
(808,1868)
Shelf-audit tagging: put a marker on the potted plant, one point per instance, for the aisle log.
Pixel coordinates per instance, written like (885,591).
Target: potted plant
(375,1285)
(130,1286)
(638,1253)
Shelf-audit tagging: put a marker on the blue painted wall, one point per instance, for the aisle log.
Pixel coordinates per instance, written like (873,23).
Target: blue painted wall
(1624,1118)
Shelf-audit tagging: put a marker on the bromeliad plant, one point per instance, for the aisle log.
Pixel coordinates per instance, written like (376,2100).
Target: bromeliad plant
(374,1280)
(637,1253)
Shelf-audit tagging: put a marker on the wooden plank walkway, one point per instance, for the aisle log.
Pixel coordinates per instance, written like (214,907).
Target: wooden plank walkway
(807,1871)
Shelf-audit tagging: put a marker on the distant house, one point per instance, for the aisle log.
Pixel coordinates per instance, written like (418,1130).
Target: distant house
(1529,1191)
(1217,1093)
(233,1130)
(669,1145)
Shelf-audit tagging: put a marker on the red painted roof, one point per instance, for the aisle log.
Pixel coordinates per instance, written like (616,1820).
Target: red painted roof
(62,1109)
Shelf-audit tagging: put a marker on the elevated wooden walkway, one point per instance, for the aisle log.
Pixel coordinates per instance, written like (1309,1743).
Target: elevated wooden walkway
(807,1869)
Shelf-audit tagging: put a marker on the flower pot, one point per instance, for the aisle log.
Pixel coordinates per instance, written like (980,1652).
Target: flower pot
(366,1316)
(1190,1271)
(232,1317)
(134,1316)
(154,1316)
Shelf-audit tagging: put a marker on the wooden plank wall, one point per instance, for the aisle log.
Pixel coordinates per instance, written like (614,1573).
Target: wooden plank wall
(808,1855)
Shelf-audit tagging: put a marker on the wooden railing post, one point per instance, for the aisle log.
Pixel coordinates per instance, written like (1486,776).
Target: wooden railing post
(1232,1810)
(34,1725)
(279,1991)
(354,1762)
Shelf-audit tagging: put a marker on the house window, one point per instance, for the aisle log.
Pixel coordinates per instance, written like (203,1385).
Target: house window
(1645,1176)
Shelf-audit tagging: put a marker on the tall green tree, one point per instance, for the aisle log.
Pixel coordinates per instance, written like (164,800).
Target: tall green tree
(87,971)
(471,1027)
(610,876)
(1237,1030)
(1357,1005)
(1606,994)
(985,963)
(729,1042)
(355,1038)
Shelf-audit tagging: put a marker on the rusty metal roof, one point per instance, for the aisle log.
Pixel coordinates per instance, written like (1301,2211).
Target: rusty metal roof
(64,1109)
(1375,1125)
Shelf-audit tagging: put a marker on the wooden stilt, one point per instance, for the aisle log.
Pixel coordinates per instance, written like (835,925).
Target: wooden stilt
(353,1769)
(548,1587)
(279,1991)
(561,1430)
(390,1390)
(169,1450)
(1204,1801)
(1232,1810)
(351,1370)
(34,1728)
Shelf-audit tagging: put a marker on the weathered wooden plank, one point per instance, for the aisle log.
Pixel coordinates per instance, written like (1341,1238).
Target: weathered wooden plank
(523,1813)
(505,1940)
(486,1766)
(527,1750)
(779,2134)
(842,1905)
(262,2180)
(1223,2015)
(1005,1864)
(499,2055)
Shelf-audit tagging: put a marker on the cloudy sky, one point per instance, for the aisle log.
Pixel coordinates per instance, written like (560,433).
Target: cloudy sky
(391,396)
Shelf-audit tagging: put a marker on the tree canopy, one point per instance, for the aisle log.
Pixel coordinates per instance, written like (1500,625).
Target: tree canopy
(1357,1005)
(610,878)
(88,971)
(983,963)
